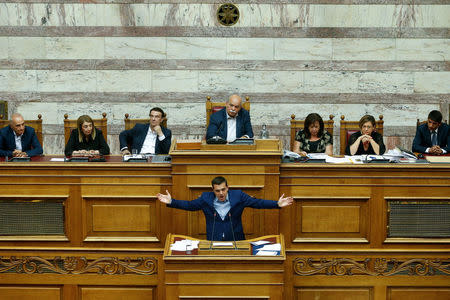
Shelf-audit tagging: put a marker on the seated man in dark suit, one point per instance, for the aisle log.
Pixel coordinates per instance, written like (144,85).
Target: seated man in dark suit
(18,140)
(223,209)
(432,137)
(147,138)
(230,122)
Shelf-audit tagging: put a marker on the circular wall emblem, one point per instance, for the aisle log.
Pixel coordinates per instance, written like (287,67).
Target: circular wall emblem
(228,14)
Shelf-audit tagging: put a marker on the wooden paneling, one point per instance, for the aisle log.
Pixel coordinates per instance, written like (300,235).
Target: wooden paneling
(30,293)
(120,218)
(418,293)
(344,293)
(328,218)
(338,225)
(331,218)
(116,293)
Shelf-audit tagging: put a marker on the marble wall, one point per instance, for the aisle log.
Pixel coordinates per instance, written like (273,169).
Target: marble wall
(340,57)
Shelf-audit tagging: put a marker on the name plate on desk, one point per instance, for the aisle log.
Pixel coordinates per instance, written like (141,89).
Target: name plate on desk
(242,142)
(19,159)
(134,158)
(257,145)
(189,144)
(95,158)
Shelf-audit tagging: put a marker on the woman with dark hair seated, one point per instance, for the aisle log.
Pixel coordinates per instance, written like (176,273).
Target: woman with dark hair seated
(313,138)
(86,139)
(367,140)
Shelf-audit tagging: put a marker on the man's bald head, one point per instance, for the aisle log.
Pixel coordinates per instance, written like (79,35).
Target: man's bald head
(17,124)
(234,105)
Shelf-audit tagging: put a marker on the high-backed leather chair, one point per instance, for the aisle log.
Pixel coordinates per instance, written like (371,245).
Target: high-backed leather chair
(130,123)
(212,107)
(296,125)
(350,127)
(36,124)
(70,124)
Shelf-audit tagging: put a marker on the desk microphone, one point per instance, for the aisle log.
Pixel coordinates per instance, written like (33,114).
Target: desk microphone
(232,231)
(212,234)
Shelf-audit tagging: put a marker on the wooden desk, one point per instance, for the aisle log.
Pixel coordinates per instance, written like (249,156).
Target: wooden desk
(337,235)
(103,201)
(114,229)
(223,273)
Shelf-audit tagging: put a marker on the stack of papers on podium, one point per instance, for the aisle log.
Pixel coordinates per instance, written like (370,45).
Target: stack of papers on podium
(184,245)
(269,249)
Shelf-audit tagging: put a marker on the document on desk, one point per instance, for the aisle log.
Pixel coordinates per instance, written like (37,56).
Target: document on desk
(339,160)
(184,245)
(222,244)
(267,253)
(259,243)
(438,159)
(57,159)
(317,156)
(271,247)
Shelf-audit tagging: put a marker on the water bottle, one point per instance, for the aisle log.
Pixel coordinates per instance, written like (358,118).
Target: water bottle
(264,133)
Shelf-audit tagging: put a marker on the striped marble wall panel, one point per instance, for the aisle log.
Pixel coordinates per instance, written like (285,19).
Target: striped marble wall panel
(348,57)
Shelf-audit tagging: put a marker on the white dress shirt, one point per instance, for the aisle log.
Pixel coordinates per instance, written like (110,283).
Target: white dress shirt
(18,140)
(231,128)
(431,133)
(150,141)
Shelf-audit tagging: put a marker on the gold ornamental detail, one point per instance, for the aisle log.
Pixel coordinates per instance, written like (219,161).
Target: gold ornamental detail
(228,14)
(79,265)
(373,267)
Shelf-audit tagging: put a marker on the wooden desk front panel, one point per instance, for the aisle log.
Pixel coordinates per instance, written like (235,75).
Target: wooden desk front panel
(103,202)
(367,275)
(346,206)
(75,274)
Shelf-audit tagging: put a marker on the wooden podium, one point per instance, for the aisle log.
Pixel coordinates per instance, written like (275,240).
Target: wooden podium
(223,272)
(252,168)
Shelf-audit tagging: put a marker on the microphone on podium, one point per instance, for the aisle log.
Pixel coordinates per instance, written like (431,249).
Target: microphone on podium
(212,234)
(232,231)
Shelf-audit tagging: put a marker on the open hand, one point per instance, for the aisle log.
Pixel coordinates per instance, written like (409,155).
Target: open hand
(285,201)
(164,198)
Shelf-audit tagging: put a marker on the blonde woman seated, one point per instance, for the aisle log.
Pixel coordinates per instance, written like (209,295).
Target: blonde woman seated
(86,139)
(313,138)
(366,141)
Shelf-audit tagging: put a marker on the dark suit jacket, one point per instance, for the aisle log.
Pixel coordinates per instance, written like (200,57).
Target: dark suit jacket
(222,228)
(422,140)
(136,137)
(218,124)
(30,142)
(99,143)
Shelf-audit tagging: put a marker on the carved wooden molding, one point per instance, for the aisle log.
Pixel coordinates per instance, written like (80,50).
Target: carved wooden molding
(79,265)
(371,266)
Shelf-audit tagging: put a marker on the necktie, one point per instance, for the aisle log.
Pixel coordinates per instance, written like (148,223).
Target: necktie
(433,138)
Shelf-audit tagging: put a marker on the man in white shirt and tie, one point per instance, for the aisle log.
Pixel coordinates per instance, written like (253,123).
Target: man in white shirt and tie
(152,138)
(433,137)
(231,122)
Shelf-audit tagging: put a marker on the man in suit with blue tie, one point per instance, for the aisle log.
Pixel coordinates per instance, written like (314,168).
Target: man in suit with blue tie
(223,209)
(231,122)
(432,137)
(18,140)
(152,138)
